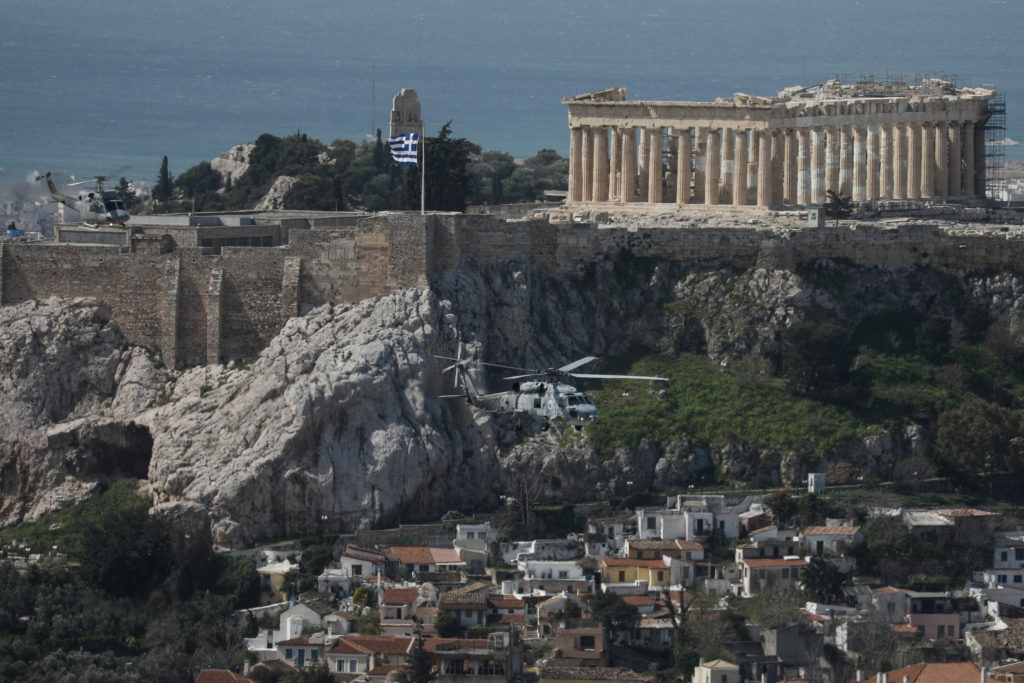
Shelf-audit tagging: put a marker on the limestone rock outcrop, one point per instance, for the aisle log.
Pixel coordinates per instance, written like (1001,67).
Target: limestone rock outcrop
(337,424)
(64,428)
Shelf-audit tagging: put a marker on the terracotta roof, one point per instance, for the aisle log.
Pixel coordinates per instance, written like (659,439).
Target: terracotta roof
(965,512)
(905,629)
(411,554)
(445,555)
(626,562)
(505,603)
(396,645)
(935,672)
(886,590)
(384,669)
(589,673)
(764,529)
(518,619)
(463,599)
(831,530)
(638,600)
(652,544)
(430,644)
(400,596)
(683,544)
(221,676)
(773,562)
(314,639)
(318,606)
(811,616)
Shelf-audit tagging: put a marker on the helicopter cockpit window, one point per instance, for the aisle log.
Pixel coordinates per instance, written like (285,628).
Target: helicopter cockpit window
(114,205)
(573,400)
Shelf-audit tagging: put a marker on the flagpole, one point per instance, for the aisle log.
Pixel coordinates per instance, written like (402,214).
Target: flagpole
(423,173)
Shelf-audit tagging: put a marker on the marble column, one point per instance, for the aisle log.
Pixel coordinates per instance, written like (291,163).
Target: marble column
(753,156)
(874,164)
(728,165)
(739,176)
(969,180)
(927,161)
(685,147)
(832,159)
(789,166)
(615,166)
(628,173)
(846,161)
(955,179)
(885,162)
(941,151)
(575,164)
(899,161)
(601,164)
(817,173)
(700,164)
(764,168)
(654,166)
(860,165)
(588,164)
(713,171)
(778,165)
(643,157)
(914,161)
(803,181)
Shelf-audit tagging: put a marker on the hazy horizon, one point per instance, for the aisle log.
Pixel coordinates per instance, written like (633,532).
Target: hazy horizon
(91,88)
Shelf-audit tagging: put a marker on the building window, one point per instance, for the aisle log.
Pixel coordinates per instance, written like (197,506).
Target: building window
(287,653)
(314,655)
(622,576)
(352,666)
(1001,578)
(1002,556)
(339,666)
(587,643)
(940,631)
(1016,578)
(357,570)
(661,576)
(563,574)
(652,523)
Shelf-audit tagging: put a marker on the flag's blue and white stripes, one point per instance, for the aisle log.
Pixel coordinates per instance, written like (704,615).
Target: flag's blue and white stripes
(403,148)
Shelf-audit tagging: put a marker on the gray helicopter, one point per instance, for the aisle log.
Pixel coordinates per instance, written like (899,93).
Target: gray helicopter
(98,206)
(544,394)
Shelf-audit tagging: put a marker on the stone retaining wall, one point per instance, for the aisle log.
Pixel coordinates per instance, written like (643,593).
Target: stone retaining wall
(197,306)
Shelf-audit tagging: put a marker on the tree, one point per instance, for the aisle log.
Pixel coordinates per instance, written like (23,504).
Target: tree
(446,625)
(613,612)
(448,184)
(419,665)
(198,180)
(816,357)
(837,206)
(979,438)
(127,552)
(824,581)
(164,183)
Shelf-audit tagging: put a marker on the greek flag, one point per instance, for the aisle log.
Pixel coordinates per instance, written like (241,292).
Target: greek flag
(403,148)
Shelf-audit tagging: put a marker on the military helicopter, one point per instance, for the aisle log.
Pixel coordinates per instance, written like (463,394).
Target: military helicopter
(544,395)
(97,206)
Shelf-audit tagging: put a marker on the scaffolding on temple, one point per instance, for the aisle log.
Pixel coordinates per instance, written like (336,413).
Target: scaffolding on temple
(995,152)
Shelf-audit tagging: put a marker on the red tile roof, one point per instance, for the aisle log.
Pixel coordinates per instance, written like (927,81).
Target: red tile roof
(505,603)
(935,672)
(445,555)
(400,596)
(773,562)
(831,530)
(638,600)
(396,645)
(430,644)
(411,554)
(627,562)
(221,676)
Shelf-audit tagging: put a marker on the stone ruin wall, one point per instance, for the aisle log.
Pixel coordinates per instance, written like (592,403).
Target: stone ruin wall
(199,307)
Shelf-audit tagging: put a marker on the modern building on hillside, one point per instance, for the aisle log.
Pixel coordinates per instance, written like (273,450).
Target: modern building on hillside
(870,141)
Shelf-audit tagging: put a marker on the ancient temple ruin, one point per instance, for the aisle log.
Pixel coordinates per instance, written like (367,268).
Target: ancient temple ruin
(868,141)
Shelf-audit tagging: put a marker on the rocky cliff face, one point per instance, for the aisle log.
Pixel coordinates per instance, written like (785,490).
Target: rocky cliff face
(337,423)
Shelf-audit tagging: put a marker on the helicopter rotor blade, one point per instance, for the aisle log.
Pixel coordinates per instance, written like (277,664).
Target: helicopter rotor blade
(576,363)
(642,377)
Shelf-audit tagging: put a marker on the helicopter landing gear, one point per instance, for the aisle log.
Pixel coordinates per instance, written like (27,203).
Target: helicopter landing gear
(578,428)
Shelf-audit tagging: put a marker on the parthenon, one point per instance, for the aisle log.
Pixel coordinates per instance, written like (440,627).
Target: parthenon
(867,141)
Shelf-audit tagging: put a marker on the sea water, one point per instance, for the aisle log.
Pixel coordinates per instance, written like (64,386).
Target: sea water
(91,87)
